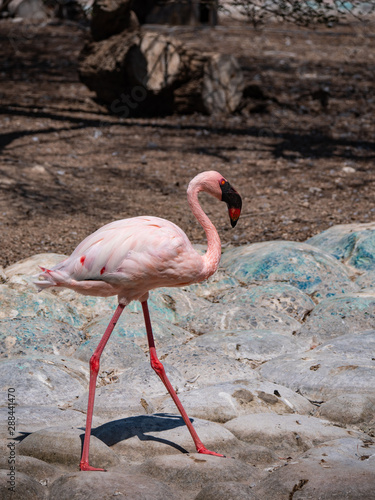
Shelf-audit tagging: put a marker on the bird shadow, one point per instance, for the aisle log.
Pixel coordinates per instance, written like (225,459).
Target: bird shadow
(140,426)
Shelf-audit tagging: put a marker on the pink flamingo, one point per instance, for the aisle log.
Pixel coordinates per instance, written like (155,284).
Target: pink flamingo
(128,258)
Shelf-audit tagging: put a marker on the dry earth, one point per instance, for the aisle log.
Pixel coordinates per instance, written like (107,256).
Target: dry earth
(300,151)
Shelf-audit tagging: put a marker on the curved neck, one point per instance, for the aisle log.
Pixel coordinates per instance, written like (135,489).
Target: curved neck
(211,258)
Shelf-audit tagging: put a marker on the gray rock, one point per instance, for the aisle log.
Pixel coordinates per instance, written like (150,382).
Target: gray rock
(24,487)
(131,326)
(222,317)
(62,445)
(25,336)
(223,402)
(340,366)
(216,284)
(340,469)
(287,435)
(225,491)
(45,381)
(33,418)
(119,353)
(353,244)
(254,346)
(21,303)
(113,401)
(279,297)
(339,316)
(36,469)
(192,470)
(349,409)
(306,267)
(161,434)
(203,366)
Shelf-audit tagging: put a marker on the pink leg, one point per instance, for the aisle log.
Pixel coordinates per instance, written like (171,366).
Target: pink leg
(159,369)
(94,369)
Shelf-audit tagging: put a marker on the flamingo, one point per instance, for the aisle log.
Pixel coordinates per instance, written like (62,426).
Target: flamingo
(130,257)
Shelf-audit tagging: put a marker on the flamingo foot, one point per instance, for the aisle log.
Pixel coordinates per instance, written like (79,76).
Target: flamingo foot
(84,466)
(204,451)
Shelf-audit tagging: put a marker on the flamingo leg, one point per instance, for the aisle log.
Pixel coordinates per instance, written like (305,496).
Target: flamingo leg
(94,369)
(160,371)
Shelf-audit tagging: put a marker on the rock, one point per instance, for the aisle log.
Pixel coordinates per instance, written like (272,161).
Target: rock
(287,435)
(131,326)
(221,317)
(216,284)
(161,434)
(223,402)
(34,418)
(37,336)
(118,355)
(340,366)
(341,315)
(341,469)
(43,381)
(203,366)
(254,346)
(24,487)
(227,490)
(280,297)
(36,469)
(20,303)
(352,244)
(191,471)
(63,445)
(348,409)
(306,267)
(112,401)
(107,486)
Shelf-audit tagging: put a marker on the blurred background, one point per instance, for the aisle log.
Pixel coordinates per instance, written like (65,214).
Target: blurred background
(109,107)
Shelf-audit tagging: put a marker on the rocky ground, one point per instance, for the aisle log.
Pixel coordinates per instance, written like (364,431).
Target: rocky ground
(273,359)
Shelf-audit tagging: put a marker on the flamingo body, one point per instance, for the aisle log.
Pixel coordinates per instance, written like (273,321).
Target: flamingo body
(128,258)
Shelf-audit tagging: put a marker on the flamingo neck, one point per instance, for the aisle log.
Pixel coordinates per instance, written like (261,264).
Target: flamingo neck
(211,258)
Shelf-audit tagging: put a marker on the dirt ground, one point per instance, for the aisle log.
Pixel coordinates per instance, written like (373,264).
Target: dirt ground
(300,151)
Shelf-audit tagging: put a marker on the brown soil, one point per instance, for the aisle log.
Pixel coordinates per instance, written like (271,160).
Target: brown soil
(300,151)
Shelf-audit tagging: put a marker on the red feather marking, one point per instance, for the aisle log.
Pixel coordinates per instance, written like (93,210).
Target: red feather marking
(102,270)
(83,258)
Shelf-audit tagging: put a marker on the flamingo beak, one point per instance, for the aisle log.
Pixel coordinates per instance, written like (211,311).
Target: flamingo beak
(233,201)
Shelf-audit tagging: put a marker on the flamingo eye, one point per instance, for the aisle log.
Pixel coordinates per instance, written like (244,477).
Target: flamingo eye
(222,182)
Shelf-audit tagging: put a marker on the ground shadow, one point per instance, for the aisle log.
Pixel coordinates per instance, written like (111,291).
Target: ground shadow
(113,432)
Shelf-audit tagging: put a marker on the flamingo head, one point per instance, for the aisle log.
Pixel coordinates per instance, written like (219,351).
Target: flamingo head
(232,199)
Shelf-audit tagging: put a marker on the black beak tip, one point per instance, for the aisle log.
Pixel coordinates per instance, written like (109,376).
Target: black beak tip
(233,222)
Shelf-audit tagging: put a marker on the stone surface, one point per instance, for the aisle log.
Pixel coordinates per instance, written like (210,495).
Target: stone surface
(203,366)
(195,469)
(25,487)
(349,409)
(306,267)
(63,445)
(43,381)
(353,244)
(110,485)
(340,366)
(254,346)
(223,402)
(287,435)
(41,471)
(162,434)
(340,469)
(279,297)
(340,315)
(220,317)
(37,336)
(227,490)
